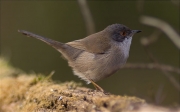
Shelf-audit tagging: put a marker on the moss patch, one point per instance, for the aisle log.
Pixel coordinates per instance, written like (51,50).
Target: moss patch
(36,93)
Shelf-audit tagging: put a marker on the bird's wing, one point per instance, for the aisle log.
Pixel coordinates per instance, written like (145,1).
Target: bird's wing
(77,44)
(95,43)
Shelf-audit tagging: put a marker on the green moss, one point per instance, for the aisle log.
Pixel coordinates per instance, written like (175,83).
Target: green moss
(35,92)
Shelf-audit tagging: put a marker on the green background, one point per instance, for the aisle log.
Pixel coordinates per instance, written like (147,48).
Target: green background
(62,21)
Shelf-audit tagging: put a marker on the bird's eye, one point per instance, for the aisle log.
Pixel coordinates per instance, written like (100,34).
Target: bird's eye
(123,33)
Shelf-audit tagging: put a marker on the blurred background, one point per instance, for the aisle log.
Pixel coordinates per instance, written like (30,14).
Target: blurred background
(64,21)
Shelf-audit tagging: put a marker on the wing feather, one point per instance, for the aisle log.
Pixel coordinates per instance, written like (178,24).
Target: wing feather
(95,43)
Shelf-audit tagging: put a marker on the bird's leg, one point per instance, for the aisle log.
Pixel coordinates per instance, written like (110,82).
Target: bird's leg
(97,86)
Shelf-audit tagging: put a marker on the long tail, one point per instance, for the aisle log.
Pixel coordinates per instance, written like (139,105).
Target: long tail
(57,45)
(67,51)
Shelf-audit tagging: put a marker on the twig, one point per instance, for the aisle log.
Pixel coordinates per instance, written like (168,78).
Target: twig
(166,73)
(165,27)
(172,79)
(151,39)
(175,2)
(87,16)
(146,41)
(159,95)
(164,67)
(140,5)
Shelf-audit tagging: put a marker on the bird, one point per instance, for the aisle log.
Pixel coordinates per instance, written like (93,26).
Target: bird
(96,56)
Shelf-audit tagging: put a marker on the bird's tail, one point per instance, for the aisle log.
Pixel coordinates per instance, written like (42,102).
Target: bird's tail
(57,45)
(70,53)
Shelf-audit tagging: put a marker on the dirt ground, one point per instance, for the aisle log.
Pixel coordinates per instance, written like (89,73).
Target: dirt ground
(21,92)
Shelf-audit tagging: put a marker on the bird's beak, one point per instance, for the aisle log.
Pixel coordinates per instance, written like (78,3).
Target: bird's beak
(136,31)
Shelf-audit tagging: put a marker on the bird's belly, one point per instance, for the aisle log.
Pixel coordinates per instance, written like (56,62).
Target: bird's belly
(97,66)
(109,67)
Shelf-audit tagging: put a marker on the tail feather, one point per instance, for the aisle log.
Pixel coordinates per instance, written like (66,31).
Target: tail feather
(57,45)
(69,52)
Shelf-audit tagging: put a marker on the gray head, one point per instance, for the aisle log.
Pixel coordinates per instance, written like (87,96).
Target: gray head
(119,32)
